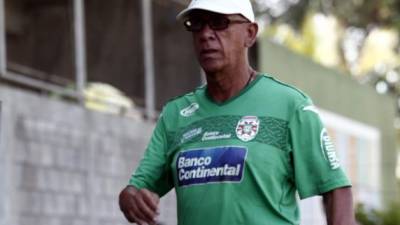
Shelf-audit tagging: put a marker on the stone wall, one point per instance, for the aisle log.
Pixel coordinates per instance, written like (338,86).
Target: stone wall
(63,165)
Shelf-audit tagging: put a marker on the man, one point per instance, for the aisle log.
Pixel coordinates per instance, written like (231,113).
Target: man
(236,150)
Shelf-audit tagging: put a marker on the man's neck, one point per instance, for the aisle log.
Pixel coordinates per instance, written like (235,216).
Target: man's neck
(226,84)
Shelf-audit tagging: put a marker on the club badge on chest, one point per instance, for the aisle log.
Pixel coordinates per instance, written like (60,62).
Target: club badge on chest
(247,128)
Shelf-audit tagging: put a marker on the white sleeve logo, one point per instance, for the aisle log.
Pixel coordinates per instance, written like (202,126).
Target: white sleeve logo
(328,150)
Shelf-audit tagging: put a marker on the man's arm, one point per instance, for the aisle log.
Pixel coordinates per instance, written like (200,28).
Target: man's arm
(139,206)
(339,206)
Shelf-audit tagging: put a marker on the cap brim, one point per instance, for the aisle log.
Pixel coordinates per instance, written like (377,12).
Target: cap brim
(183,15)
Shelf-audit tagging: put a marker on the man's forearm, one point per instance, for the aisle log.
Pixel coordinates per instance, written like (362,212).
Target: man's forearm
(339,206)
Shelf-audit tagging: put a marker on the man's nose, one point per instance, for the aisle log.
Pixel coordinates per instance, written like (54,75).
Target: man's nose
(206,32)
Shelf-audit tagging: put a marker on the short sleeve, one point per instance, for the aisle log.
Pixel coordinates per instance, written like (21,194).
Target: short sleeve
(316,166)
(153,172)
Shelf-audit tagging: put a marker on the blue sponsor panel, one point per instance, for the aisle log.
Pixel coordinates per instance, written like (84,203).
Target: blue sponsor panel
(217,164)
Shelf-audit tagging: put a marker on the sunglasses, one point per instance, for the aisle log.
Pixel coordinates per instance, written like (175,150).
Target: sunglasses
(214,22)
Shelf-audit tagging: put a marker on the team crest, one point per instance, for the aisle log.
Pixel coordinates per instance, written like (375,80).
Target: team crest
(247,128)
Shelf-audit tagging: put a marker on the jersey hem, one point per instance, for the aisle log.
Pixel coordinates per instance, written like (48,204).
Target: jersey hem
(333,185)
(326,187)
(137,185)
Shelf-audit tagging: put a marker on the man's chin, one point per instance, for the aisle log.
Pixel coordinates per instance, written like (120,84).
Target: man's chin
(211,67)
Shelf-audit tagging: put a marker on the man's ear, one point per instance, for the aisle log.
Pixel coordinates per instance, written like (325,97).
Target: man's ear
(251,34)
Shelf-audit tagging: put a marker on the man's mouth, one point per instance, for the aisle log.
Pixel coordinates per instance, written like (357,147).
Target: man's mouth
(208,51)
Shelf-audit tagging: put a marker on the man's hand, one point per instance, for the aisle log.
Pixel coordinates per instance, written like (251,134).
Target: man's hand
(339,206)
(139,206)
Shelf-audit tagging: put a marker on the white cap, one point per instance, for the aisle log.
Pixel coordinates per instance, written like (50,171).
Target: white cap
(242,7)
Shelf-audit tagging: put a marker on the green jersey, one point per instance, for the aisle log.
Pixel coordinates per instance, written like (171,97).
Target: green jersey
(240,161)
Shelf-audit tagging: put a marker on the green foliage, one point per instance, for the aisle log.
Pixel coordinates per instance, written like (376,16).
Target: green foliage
(361,13)
(390,216)
(365,217)
(358,13)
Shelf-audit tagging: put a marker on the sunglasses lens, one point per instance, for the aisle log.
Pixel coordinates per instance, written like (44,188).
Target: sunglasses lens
(215,22)
(219,23)
(193,25)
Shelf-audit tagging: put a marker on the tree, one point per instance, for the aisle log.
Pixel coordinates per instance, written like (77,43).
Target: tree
(390,216)
(358,13)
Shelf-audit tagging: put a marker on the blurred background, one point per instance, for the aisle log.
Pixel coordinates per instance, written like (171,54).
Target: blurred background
(82,83)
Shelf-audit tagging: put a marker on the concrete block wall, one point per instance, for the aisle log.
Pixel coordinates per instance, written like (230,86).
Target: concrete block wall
(2,174)
(64,165)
